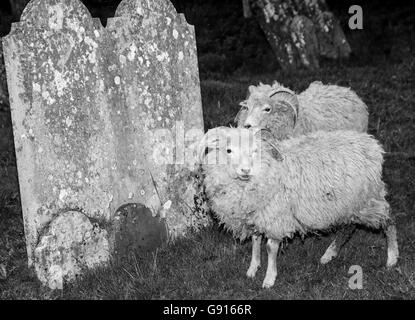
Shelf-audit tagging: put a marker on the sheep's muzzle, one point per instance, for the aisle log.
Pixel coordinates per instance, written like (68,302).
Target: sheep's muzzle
(244,177)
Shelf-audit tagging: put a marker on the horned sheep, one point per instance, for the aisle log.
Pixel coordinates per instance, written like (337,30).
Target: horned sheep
(279,188)
(285,114)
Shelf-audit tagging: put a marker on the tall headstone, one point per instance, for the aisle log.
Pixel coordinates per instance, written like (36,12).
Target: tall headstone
(104,121)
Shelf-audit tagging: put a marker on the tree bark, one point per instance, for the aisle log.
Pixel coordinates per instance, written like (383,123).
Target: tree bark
(247,8)
(300,31)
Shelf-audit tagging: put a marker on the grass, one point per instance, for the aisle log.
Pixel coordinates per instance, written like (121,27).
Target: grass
(211,264)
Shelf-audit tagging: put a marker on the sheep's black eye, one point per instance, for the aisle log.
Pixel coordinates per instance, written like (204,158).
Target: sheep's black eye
(267,109)
(229,151)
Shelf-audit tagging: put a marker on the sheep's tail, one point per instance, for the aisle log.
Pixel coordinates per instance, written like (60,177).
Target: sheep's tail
(375,215)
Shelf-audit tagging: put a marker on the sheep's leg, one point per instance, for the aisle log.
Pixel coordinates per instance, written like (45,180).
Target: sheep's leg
(272,249)
(334,248)
(330,253)
(256,256)
(377,211)
(393,251)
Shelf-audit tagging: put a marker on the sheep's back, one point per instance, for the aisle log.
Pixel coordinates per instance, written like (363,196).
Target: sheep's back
(325,179)
(330,108)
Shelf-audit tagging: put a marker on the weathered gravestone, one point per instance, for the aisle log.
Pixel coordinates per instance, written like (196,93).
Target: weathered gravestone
(104,120)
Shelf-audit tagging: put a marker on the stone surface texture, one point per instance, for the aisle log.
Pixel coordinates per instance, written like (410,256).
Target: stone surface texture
(301,31)
(102,117)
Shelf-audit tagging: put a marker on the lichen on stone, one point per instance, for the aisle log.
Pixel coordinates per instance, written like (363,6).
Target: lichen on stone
(86,103)
(70,244)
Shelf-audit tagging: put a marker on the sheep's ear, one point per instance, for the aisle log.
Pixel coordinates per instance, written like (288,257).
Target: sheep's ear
(251,89)
(277,85)
(288,96)
(205,146)
(238,117)
(271,142)
(316,83)
(239,114)
(210,141)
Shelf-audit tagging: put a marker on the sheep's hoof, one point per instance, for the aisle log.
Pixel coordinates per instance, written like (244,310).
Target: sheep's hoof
(326,259)
(252,271)
(329,255)
(269,279)
(268,283)
(392,261)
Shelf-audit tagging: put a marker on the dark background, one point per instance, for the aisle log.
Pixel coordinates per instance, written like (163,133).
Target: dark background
(228,44)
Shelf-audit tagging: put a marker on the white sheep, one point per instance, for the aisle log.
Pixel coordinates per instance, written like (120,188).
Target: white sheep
(299,185)
(320,107)
(285,114)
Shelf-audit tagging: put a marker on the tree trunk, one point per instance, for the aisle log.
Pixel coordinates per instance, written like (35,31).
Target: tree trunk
(247,8)
(300,32)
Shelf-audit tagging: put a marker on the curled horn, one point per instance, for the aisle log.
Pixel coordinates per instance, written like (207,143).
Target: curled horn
(290,97)
(210,140)
(267,136)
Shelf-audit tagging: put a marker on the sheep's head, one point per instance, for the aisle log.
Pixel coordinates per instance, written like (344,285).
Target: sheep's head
(274,108)
(237,175)
(237,153)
